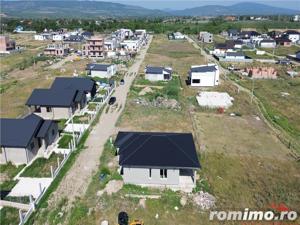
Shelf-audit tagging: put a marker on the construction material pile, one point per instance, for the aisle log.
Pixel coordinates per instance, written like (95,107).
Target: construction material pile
(204,200)
(211,99)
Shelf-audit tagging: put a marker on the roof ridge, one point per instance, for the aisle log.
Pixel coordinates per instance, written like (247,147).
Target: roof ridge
(138,148)
(181,150)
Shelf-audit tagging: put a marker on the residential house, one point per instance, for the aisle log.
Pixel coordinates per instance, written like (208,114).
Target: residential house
(234,56)
(55,104)
(158,73)
(221,49)
(131,45)
(101,70)
(42,37)
(110,44)
(204,75)
(233,33)
(205,37)
(157,159)
(267,43)
(82,84)
(261,72)
(293,35)
(178,36)
(283,41)
(87,35)
(74,39)
(66,96)
(234,44)
(249,34)
(6,45)
(93,47)
(58,36)
(55,49)
(274,34)
(22,139)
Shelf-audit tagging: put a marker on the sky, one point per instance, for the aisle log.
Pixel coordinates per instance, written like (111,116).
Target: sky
(181,4)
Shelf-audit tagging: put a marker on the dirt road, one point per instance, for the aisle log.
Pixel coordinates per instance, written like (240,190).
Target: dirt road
(79,176)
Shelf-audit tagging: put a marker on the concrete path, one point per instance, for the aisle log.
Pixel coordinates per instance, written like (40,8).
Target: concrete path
(16,205)
(79,176)
(30,186)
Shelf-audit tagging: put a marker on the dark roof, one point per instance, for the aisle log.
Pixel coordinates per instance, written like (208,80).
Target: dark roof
(233,31)
(156,70)
(235,54)
(203,69)
(267,41)
(249,33)
(291,32)
(282,39)
(79,96)
(44,128)
(97,67)
(74,38)
(73,83)
(51,97)
(19,132)
(221,46)
(152,149)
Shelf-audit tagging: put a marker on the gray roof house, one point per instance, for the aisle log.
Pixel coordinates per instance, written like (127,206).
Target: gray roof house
(87,85)
(101,70)
(158,73)
(158,159)
(21,139)
(204,75)
(64,98)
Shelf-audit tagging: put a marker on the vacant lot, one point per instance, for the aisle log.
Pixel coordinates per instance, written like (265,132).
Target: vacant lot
(283,51)
(281,99)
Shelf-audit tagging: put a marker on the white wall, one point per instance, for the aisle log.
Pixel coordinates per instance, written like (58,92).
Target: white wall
(140,176)
(105,74)
(154,77)
(207,79)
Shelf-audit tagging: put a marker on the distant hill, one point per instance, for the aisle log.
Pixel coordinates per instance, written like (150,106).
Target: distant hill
(74,9)
(97,9)
(245,8)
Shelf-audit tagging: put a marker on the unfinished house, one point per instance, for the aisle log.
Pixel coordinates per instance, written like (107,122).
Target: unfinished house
(204,75)
(261,72)
(6,45)
(158,159)
(158,73)
(55,49)
(22,139)
(205,37)
(94,47)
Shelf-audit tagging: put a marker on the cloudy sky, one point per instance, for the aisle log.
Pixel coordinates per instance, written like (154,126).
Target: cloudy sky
(181,4)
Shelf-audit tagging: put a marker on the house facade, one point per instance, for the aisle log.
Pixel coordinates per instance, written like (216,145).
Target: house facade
(205,37)
(57,49)
(157,159)
(22,139)
(158,73)
(101,70)
(6,44)
(93,47)
(267,44)
(204,75)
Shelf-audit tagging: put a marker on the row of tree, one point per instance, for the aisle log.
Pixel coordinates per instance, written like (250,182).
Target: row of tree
(186,26)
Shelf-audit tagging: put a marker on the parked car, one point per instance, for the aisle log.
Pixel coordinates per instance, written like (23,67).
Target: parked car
(112,100)
(122,82)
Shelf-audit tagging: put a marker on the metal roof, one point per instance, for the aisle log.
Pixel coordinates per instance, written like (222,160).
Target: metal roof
(51,97)
(75,83)
(44,128)
(97,67)
(19,132)
(203,69)
(155,149)
(157,70)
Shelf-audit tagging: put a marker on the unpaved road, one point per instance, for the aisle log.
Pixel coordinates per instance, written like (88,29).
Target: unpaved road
(59,64)
(76,181)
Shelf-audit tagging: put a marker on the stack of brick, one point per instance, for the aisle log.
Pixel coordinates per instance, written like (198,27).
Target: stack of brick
(261,72)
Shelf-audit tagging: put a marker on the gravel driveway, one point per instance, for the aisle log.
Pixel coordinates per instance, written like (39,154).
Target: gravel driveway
(76,181)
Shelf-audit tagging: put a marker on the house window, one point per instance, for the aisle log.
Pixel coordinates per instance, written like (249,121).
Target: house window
(48,109)
(37,109)
(122,171)
(163,173)
(196,81)
(150,173)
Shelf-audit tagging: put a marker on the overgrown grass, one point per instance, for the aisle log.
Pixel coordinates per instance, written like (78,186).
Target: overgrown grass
(8,172)
(64,141)
(9,216)
(41,167)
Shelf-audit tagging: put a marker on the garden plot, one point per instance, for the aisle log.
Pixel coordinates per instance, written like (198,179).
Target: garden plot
(30,186)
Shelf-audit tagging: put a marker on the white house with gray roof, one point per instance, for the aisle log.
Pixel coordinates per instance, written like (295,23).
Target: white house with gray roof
(101,70)
(158,159)
(204,75)
(158,73)
(22,139)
